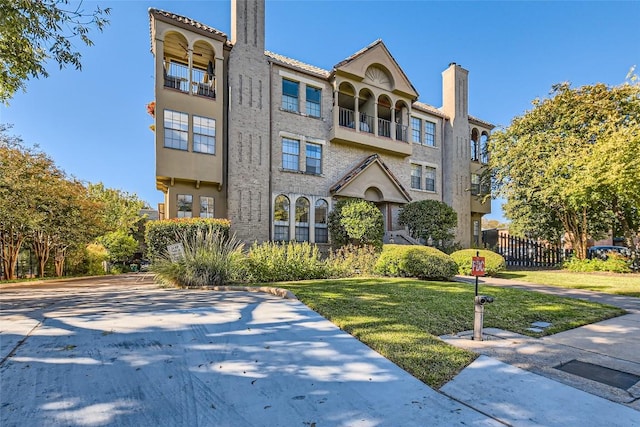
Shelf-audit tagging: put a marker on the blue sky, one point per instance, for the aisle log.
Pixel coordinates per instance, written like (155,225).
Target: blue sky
(94,123)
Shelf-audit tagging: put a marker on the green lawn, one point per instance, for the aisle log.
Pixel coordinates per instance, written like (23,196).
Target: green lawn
(609,283)
(402,318)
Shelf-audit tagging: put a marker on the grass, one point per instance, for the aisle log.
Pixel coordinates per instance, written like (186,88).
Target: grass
(609,283)
(402,318)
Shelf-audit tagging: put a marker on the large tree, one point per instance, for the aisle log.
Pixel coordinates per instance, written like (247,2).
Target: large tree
(32,32)
(569,166)
(24,172)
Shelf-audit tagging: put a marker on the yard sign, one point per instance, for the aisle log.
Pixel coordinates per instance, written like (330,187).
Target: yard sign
(477,266)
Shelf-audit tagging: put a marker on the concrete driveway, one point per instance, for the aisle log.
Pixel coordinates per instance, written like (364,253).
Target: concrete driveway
(121,351)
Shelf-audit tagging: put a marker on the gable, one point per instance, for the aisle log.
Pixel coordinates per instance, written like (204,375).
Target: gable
(373,181)
(375,66)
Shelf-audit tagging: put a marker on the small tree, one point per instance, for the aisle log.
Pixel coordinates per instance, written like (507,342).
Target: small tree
(429,218)
(120,246)
(357,222)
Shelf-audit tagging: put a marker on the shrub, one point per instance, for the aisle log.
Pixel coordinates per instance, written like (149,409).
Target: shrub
(277,262)
(357,222)
(430,218)
(422,262)
(351,260)
(493,262)
(160,234)
(95,255)
(211,258)
(613,264)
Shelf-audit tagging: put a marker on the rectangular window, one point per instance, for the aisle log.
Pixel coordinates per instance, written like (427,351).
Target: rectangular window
(289,95)
(314,158)
(204,135)
(206,207)
(185,206)
(313,101)
(416,177)
(290,154)
(430,179)
(429,134)
(475,184)
(416,125)
(176,129)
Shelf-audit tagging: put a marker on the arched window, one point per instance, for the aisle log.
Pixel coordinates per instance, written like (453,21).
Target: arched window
(281,218)
(302,219)
(320,226)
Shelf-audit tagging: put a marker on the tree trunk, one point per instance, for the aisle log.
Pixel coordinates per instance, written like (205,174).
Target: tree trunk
(59,261)
(11,244)
(41,245)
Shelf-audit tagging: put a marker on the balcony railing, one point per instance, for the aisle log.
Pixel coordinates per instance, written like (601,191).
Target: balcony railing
(345,118)
(177,77)
(366,123)
(402,132)
(384,128)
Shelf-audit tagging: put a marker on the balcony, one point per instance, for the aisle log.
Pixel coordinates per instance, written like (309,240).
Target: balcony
(202,82)
(369,132)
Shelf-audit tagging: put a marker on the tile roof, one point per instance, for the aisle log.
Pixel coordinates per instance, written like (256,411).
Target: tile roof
(353,173)
(186,21)
(429,109)
(480,122)
(358,53)
(298,64)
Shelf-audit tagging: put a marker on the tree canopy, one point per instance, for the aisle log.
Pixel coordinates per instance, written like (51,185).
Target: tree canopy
(32,32)
(570,166)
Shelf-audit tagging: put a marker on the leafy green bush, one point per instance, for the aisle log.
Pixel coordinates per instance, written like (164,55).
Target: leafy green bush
(211,258)
(160,234)
(493,262)
(422,262)
(430,218)
(277,262)
(95,255)
(614,264)
(351,260)
(357,222)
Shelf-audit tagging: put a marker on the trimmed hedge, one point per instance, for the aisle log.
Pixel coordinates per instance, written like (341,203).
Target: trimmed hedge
(493,262)
(422,262)
(613,264)
(159,234)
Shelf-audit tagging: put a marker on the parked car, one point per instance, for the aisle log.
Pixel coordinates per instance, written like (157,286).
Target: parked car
(603,252)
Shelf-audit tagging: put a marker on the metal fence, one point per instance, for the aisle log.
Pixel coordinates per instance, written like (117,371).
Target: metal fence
(520,252)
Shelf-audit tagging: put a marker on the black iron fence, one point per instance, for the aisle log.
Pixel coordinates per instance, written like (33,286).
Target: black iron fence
(521,252)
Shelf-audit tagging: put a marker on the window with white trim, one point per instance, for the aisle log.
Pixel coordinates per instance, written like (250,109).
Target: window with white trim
(302,219)
(314,158)
(320,225)
(314,95)
(204,135)
(185,206)
(281,218)
(290,95)
(416,129)
(176,129)
(290,154)
(429,178)
(429,134)
(206,207)
(416,176)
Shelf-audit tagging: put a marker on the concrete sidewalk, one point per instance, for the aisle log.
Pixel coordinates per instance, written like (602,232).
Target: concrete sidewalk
(518,371)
